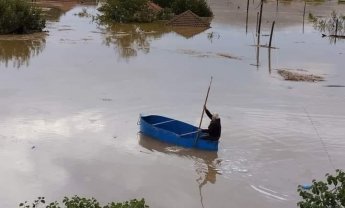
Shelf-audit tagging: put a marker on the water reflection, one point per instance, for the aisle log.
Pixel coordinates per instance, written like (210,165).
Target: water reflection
(129,39)
(207,164)
(189,32)
(54,9)
(18,49)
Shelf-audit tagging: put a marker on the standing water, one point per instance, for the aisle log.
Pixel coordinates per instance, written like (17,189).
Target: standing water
(71,98)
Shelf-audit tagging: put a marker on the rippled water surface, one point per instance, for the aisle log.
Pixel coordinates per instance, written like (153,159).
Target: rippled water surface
(71,98)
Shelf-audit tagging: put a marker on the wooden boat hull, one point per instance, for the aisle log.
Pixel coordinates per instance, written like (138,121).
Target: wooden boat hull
(174,132)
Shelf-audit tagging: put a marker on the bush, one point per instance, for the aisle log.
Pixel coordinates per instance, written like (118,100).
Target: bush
(125,11)
(163,3)
(78,202)
(329,194)
(199,7)
(20,17)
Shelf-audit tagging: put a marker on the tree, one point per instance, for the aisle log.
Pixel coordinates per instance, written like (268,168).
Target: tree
(329,194)
(125,11)
(199,7)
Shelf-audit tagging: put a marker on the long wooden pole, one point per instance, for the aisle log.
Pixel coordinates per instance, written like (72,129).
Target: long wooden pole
(305,4)
(203,110)
(270,43)
(260,18)
(247,17)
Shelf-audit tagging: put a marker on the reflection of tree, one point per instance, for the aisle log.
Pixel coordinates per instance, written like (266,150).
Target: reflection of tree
(189,32)
(54,14)
(206,163)
(311,2)
(128,39)
(334,25)
(20,48)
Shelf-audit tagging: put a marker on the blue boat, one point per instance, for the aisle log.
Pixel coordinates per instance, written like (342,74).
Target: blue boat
(175,132)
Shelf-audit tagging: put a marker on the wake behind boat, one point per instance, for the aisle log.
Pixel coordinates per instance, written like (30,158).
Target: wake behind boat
(175,132)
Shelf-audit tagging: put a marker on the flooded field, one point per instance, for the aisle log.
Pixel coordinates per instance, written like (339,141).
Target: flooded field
(71,98)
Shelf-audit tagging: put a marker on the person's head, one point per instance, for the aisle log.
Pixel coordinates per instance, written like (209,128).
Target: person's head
(215,116)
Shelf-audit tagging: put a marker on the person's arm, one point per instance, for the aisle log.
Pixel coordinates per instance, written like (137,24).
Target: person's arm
(208,113)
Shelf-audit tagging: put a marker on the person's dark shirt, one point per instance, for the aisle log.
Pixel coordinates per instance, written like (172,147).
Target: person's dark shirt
(214,129)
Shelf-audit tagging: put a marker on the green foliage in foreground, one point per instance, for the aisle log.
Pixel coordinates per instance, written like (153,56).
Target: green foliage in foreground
(20,17)
(78,202)
(329,194)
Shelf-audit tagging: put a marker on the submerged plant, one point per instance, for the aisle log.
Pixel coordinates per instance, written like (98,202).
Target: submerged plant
(333,25)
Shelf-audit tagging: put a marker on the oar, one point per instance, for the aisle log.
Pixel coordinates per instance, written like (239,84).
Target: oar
(203,111)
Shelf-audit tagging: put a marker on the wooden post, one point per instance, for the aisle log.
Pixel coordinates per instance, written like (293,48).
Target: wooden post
(259,26)
(247,16)
(305,4)
(260,17)
(259,31)
(257,23)
(257,57)
(270,43)
(269,60)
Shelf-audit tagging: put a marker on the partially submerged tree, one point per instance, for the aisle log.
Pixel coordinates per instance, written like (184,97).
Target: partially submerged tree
(20,17)
(199,7)
(125,11)
(329,194)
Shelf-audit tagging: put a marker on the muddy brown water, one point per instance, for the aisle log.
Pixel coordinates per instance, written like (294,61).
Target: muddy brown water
(71,98)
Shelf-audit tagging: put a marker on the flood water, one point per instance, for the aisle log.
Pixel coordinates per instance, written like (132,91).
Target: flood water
(71,98)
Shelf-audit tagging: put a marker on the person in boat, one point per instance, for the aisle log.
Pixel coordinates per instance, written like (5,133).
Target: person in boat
(214,129)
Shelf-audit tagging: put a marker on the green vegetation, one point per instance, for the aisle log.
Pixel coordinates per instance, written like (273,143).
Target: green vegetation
(78,202)
(125,11)
(199,7)
(329,194)
(20,17)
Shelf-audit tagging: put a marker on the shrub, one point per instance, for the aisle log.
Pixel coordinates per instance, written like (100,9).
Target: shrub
(199,7)
(329,194)
(125,11)
(163,3)
(20,17)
